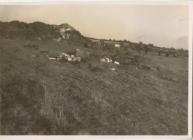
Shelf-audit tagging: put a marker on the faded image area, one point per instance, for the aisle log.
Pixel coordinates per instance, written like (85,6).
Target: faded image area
(93,69)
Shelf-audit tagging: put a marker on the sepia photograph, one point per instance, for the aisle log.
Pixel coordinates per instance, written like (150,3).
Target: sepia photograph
(94,69)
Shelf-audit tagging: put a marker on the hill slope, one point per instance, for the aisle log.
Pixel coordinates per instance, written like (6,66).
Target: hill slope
(145,94)
(35,30)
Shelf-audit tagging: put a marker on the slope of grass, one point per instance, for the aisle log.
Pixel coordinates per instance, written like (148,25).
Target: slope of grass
(146,94)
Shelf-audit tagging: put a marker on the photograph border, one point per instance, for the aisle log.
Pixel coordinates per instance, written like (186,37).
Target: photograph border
(188,3)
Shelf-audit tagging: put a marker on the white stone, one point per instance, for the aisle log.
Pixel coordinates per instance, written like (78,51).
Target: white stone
(117,45)
(52,58)
(102,60)
(116,62)
(69,59)
(106,60)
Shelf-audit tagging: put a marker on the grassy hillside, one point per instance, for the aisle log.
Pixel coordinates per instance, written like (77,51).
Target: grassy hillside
(145,94)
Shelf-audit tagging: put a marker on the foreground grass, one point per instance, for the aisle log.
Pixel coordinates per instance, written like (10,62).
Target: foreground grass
(146,95)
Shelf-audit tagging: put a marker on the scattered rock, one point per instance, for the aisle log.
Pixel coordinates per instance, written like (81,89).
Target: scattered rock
(116,62)
(117,45)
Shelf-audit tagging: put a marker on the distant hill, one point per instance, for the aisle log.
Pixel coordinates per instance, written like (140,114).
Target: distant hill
(43,31)
(36,30)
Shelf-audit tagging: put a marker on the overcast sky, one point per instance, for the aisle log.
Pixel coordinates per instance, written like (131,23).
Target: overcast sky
(164,25)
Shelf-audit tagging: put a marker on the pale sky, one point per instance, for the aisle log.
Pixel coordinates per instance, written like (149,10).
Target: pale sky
(166,26)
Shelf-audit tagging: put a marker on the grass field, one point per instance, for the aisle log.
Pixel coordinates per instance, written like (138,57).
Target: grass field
(145,94)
